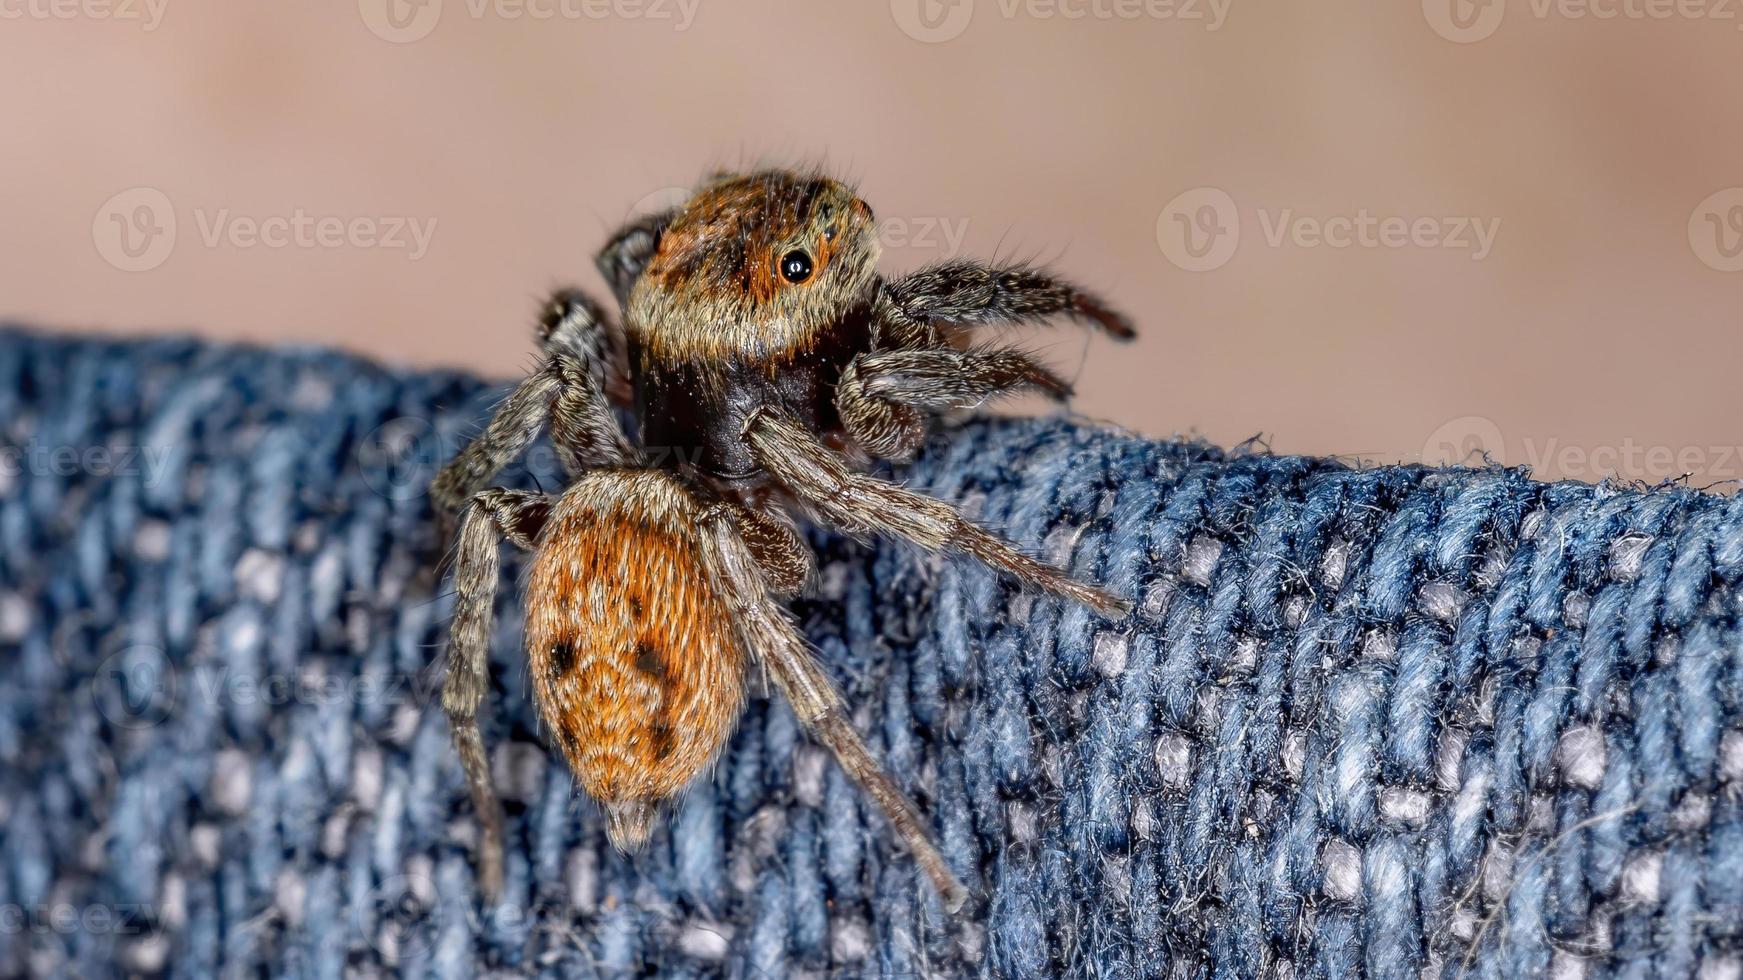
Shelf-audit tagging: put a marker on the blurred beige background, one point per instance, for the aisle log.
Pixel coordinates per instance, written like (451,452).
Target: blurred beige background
(1376,228)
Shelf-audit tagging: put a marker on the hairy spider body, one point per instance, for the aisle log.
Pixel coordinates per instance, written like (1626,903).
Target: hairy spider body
(765,360)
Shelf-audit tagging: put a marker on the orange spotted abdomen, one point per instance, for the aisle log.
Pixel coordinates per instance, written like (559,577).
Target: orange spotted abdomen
(635,664)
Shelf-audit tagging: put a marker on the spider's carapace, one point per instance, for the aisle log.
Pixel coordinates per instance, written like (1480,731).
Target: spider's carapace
(759,294)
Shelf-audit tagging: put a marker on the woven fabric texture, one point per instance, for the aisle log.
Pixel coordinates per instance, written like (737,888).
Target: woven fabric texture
(1388,722)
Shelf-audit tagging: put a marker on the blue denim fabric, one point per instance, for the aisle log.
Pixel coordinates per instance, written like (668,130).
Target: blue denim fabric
(1388,722)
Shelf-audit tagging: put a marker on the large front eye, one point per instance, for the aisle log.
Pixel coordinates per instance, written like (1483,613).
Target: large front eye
(796,266)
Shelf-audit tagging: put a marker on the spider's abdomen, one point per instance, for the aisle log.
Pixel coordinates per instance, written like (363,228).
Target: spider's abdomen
(635,663)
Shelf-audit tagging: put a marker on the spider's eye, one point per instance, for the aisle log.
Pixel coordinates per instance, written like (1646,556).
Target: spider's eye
(795,266)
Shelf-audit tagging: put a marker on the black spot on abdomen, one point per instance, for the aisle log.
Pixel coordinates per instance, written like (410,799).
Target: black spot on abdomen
(562,658)
(648,660)
(662,738)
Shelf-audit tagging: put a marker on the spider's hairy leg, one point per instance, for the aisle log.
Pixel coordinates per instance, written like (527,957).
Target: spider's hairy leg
(630,249)
(572,322)
(863,504)
(971,293)
(787,564)
(511,429)
(583,428)
(516,516)
(560,392)
(772,639)
(882,395)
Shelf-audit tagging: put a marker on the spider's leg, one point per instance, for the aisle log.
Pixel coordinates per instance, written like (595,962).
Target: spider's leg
(628,252)
(970,293)
(511,429)
(583,427)
(882,395)
(777,645)
(571,322)
(862,504)
(581,421)
(517,516)
(787,564)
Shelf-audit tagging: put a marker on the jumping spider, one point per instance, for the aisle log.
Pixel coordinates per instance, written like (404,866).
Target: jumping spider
(763,354)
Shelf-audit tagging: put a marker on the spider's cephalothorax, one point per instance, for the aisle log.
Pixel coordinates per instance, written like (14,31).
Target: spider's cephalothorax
(764,359)
(759,294)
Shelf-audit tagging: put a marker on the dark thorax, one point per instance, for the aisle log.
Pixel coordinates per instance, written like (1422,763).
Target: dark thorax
(693,412)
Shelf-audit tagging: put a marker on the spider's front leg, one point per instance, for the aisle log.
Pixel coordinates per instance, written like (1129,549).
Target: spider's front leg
(862,504)
(884,397)
(572,323)
(970,293)
(493,515)
(771,638)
